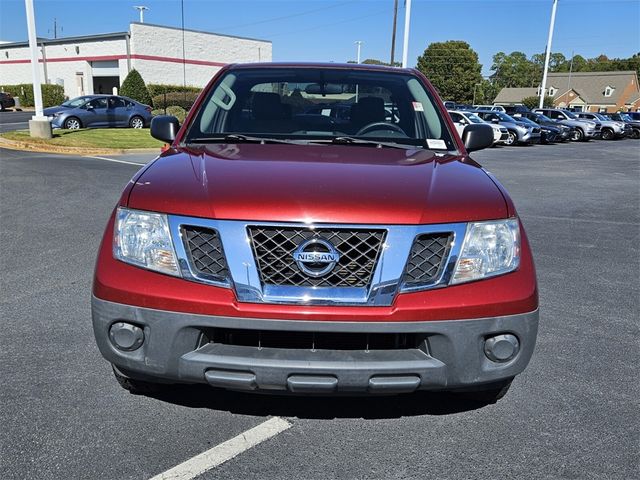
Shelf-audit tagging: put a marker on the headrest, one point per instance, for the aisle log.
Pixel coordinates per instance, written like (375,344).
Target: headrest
(266,106)
(368,110)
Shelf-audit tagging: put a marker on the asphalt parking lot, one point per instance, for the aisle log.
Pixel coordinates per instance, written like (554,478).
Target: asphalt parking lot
(573,414)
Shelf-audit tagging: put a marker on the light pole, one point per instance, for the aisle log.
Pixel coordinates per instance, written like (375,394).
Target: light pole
(141,9)
(548,53)
(474,92)
(39,125)
(407,21)
(359,44)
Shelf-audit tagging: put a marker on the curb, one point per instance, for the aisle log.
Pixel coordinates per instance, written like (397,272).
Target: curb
(38,147)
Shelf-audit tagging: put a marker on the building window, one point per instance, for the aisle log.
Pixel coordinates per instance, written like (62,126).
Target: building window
(608,91)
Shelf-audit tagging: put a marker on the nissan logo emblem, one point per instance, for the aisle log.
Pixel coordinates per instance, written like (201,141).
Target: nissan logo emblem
(316,257)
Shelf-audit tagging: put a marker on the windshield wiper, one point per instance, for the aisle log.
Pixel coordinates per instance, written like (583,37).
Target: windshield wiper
(371,143)
(238,138)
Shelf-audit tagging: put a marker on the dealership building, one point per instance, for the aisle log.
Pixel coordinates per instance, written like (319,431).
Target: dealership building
(99,63)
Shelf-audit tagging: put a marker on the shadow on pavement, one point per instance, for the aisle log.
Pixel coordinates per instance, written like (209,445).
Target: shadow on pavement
(318,407)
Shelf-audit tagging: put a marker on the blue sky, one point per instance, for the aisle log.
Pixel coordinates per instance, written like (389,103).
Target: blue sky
(325,30)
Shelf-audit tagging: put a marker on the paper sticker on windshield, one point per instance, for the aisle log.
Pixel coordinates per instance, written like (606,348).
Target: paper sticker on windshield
(417,107)
(436,143)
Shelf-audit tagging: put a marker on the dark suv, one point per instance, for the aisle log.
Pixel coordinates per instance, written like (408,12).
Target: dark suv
(6,101)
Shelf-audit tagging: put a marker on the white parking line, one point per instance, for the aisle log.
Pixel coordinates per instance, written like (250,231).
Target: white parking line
(225,451)
(114,160)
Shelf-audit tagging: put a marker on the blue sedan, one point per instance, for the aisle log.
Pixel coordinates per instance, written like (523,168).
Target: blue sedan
(99,111)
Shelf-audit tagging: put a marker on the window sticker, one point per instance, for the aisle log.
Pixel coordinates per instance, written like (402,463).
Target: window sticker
(436,143)
(417,107)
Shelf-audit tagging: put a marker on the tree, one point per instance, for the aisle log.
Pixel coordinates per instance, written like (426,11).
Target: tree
(533,102)
(514,70)
(375,61)
(453,68)
(134,87)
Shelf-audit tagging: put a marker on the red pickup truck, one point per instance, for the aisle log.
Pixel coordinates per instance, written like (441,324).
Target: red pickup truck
(316,229)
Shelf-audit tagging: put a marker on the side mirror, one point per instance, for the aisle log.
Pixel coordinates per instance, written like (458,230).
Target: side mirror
(89,106)
(477,136)
(165,128)
(495,120)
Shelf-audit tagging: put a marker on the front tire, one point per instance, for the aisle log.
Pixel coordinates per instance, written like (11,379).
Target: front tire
(607,134)
(578,135)
(511,139)
(72,123)
(635,133)
(136,122)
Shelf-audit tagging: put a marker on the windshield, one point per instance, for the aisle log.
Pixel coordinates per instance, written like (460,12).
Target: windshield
(321,104)
(571,115)
(540,117)
(625,117)
(504,117)
(527,121)
(601,117)
(473,118)
(75,102)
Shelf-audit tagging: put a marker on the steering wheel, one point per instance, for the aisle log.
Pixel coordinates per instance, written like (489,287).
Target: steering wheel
(380,126)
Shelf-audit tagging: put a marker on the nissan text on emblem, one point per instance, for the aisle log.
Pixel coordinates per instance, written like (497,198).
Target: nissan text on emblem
(316,257)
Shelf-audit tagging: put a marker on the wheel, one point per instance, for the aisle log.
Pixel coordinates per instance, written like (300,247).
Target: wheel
(72,123)
(137,387)
(635,133)
(489,393)
(513,138)
(607,134)
(578,135)
(136,122)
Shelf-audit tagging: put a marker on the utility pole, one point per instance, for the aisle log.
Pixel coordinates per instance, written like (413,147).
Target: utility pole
(407,21)
(141,9)
(393,31)
(548,54)
(55,28)
(39,125)
(570,70)
(359,44)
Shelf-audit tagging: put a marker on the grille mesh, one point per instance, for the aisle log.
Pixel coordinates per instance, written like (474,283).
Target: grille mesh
(205,251)
(427,258)
(273,248)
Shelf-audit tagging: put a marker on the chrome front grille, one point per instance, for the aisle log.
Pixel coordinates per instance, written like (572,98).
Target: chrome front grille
(273,248)
(205,251)
(427,258)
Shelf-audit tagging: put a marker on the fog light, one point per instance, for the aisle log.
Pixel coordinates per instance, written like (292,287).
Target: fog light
(501,348)
(126,336)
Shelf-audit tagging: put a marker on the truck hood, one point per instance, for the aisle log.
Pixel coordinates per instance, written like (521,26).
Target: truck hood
(318,183)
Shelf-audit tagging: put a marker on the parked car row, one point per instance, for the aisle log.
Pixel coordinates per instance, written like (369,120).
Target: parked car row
(546,125)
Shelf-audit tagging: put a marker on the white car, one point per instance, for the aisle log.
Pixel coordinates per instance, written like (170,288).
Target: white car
(461,119)
(491,108)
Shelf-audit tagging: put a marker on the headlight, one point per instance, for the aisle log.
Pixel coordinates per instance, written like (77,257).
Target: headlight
(489,249)
(143,239)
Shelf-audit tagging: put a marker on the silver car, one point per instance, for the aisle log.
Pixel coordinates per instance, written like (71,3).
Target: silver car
(519,132)
(610,129)
(99,111)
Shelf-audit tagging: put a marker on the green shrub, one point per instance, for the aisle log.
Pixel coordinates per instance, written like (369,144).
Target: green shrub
(156,89)
(51,94)
(181,99)
(533,102)
(158,111)
(178,112)
(134,87)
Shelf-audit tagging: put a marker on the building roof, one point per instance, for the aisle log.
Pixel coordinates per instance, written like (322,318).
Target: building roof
(114,35)
(592,85)
(514,95)
(589,85)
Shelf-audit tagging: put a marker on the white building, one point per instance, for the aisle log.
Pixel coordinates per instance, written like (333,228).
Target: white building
(99,63)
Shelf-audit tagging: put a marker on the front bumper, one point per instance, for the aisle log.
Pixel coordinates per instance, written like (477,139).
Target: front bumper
(176,349)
